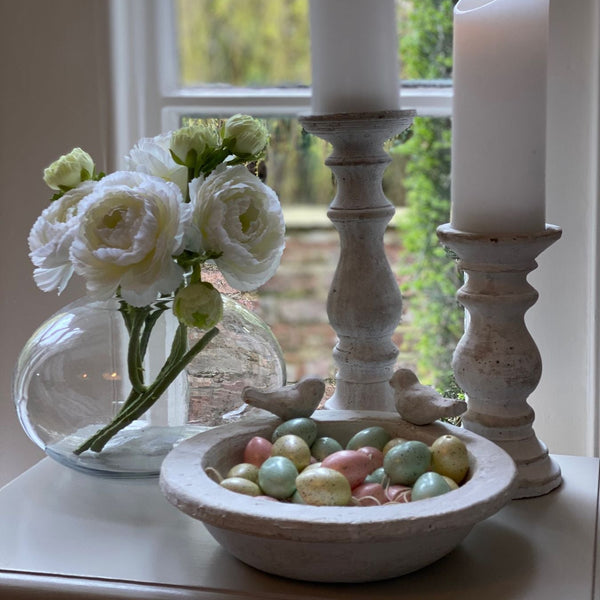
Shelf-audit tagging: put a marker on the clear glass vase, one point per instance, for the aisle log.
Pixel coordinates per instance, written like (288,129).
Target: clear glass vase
(71,379)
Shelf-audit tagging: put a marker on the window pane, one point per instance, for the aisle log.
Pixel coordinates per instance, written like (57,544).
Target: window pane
(293,302)
(266,42)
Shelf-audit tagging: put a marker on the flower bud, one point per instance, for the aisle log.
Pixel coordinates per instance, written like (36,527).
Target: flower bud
(189,143)
(246,136)
(69,170)
(198,305)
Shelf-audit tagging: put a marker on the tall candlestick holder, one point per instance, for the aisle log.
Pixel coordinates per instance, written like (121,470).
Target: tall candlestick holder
(364,304)
(497,362)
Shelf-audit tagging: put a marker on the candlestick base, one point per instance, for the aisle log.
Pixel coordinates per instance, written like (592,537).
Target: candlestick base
(497,362)
(364,304)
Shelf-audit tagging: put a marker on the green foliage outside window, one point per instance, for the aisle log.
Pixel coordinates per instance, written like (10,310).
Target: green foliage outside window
(432,278)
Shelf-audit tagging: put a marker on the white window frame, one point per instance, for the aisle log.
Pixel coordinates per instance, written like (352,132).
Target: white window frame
(148,101)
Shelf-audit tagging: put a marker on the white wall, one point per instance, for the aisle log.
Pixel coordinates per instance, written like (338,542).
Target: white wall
(55,95)
(564,322)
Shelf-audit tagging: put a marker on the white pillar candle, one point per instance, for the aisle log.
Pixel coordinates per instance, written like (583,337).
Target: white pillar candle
(354,53)
(499,116)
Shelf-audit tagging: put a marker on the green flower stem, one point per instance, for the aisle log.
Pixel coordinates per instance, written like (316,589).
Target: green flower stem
(144,401)
(134,356)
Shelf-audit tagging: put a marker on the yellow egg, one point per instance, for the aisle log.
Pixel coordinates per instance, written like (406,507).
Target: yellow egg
(245,470)
(241,486)
(293,447)
(449,457)
(323,487)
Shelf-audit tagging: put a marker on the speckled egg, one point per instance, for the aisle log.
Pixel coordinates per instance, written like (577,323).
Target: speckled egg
(354,465)
(377,476)
(398,493)
(375,456)
(293,447)
(302,426)
(246,470)
(449,457)
(277,477)
(257,450)
(324,487)
(428,485)
(393,442)
(370,494)
(324,446)
(406,462)
(241,486)
(374,436)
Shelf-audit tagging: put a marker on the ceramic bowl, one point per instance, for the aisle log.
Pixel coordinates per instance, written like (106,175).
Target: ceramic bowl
(334,544)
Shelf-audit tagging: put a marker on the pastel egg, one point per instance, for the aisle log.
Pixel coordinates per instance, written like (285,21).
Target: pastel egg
(370,494)
(406,462)
(375,456)
(398,493)
(377,476)
(374,436)
(293,447)
(241,486)
(324,487)
(428,485)
(257,450)
(277,477)
(245,470)
(449,456)
(393,442)
(324,446)
(302,426)
(354,465)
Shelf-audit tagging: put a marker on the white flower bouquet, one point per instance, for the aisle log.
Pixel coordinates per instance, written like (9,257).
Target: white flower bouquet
(142,235)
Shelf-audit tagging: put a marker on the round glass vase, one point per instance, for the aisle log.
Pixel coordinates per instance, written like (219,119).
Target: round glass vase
(71,380)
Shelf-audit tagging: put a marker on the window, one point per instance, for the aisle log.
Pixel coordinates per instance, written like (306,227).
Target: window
(149,98)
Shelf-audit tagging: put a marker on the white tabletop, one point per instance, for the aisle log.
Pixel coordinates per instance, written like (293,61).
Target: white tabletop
(68,535)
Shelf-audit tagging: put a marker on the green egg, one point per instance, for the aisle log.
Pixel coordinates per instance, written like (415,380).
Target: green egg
(428,485)
(377,476)
(277,477)
(302,427)
(406,462)
(375,436)
(324,446)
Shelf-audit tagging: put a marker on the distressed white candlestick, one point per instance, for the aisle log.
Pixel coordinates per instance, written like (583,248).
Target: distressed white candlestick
(497,362)
(364,303)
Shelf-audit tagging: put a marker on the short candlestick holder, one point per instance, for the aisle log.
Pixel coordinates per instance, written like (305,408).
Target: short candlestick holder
(364,304)
(497,362)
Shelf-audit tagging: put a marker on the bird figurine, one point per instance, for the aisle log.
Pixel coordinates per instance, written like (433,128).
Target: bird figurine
(298,400)
(420,404)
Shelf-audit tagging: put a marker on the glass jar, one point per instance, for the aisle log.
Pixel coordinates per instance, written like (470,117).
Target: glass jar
(71,379)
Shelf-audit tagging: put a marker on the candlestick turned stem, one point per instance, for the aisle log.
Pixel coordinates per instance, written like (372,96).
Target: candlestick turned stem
(497,362)
(364,304)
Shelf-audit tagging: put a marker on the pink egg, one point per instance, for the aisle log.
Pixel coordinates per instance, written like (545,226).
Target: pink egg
(354,465)
(370,494)
(375,455)
(398,493)
(257,450)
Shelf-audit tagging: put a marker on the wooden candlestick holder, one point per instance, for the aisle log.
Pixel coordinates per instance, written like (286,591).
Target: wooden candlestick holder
(497,362)
(364,304)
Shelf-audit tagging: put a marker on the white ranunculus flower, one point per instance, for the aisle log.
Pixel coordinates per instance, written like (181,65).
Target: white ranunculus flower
(249,135)
(69,170)
(152,156)
(241,218)
(51,237)
(131,226)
